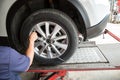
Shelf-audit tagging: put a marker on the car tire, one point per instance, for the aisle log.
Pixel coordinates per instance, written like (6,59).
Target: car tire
(49,49)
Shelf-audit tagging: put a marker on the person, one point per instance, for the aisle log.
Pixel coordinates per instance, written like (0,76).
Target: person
(12,62)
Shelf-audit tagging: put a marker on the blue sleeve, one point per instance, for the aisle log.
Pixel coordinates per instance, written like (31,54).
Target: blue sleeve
(18,62)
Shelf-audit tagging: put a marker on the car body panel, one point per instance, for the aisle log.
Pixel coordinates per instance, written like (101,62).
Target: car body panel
(96,10)
(82,11)
(4,8)
(92,11)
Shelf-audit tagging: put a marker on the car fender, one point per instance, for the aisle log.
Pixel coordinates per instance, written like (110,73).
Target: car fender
(82,11)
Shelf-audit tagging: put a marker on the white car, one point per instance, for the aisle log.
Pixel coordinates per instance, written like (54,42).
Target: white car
(57,22)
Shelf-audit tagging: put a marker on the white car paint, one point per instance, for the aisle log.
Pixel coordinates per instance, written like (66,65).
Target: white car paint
(96,10)
(4,6)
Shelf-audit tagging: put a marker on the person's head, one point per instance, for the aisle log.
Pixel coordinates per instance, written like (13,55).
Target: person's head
(4,41)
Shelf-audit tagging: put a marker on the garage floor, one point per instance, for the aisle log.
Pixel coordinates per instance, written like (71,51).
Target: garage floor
(93,75)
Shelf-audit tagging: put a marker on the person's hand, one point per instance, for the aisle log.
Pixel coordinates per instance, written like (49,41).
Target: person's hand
(33,36)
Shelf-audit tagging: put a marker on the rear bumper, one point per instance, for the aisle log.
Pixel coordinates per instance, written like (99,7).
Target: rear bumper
(97,29)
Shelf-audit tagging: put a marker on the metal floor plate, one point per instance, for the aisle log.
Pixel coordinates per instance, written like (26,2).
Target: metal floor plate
(87,57)
(87,54)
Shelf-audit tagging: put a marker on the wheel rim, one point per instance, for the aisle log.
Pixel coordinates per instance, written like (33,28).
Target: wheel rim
(52,40)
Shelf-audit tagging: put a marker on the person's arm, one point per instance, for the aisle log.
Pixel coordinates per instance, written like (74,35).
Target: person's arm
(30,50)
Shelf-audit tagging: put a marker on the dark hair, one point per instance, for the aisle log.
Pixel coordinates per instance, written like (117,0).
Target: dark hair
(4,41)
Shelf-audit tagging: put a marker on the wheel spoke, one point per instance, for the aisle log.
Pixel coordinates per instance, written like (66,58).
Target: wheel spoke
(38,44)
(61,37)
(40,39)
(61,45)
(47,29)
(40,31)
(36,50)
(49,52)
(40,51)
(55,31)
(56,50)
(43,48)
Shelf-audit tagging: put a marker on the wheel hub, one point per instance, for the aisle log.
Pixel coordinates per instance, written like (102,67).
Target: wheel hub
(53,40)
(49,41)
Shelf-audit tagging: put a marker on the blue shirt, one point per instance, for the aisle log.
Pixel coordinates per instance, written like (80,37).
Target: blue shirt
(12,63)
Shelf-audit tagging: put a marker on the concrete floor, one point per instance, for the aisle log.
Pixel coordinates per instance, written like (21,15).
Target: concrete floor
(95,75)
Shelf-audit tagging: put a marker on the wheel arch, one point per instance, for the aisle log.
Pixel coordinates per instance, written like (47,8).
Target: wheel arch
(82,22)
(13,9)
(75,10)
(11,30)
(81,11)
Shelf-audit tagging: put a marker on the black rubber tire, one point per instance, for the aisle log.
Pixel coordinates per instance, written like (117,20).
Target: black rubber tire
(54,16)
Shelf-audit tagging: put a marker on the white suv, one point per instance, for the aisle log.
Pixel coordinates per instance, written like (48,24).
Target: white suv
(57,22)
